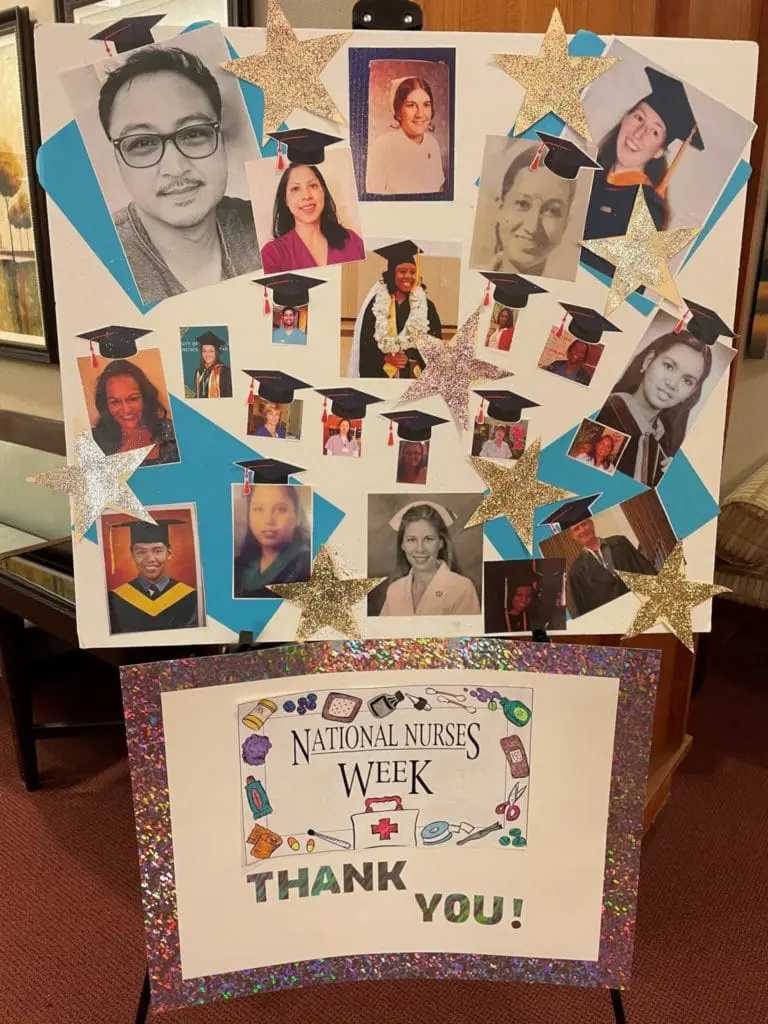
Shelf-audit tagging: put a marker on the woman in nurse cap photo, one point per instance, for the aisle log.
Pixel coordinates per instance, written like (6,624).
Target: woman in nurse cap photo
(428,583)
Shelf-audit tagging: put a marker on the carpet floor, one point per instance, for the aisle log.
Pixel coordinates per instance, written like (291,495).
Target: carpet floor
(71,939)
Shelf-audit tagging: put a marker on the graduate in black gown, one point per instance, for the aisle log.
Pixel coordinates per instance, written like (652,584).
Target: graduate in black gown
(396,318)
(152,600)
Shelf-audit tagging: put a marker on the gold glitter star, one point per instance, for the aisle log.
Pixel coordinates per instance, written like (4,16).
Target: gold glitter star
(553,80)
(515,492)
(668,597)
(641,256)
(451,369)
(327,600)
(96,483)
(288,72)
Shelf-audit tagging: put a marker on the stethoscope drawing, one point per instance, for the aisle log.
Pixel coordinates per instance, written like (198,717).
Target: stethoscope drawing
(458,700)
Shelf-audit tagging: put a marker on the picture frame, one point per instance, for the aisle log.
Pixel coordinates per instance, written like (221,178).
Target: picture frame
(753,318)
(238,12)
(25,312)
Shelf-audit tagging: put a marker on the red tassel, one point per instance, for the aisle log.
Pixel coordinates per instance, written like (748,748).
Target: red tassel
(94,363)
(390,439)
(561,328)
(481,412)
(251,395)
(683,323)
(246,481)
(106,47)
(280,161)
(324,417)
(267,307)
(539,154)
(487,296)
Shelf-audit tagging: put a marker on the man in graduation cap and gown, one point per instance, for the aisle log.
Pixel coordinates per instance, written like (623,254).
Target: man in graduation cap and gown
(634,154)
(161,109)
(396,317)
(153,600)
(213,379)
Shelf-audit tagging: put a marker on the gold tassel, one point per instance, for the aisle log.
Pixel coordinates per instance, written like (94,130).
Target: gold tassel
(392,317)
(418,268)
(663,187)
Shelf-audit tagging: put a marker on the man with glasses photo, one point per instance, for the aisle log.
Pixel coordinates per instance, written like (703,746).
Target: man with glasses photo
(162,111)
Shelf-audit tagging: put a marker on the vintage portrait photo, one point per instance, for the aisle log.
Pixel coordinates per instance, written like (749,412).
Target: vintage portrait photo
(527,221)
(501,329)
(432,564)
(152,571)
(275,419)
(403,289)
(660,394)
(205,362)
(653,130)
(272,537)
(402,122)
(343,436)
(493,439)
(128,405)
(598,446)
(412,462)
(168,133)
(570,357)
(524,594)
(306,215)
(635,536)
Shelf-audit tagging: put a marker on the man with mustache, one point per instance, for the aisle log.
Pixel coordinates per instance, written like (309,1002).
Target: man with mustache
(162,111)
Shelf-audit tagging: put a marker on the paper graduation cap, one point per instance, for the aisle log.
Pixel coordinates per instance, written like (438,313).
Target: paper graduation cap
(129,33)
(670,101)
(149,533)
(705,324)
(512,290)
(114,342)
(571,513)
(399,252)
(348,403)
(209,338)
(289,289)
(276,386)
(268,471)
(587,324)
(505,405)
(304,145)
(563,157)
(413,425)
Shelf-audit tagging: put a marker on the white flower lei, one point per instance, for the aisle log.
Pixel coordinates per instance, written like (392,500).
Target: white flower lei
(416,326)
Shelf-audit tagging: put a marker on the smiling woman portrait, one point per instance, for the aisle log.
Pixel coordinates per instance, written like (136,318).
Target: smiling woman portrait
(406,160)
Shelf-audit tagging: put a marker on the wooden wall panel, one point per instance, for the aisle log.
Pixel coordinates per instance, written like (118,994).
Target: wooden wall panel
(632,17)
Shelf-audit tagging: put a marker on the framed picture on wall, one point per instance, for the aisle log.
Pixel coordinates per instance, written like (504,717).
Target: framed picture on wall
(27,321)
(177,12)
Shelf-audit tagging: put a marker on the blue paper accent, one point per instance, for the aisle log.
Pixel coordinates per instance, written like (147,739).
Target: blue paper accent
(205,476)
(736,183)
(688,503)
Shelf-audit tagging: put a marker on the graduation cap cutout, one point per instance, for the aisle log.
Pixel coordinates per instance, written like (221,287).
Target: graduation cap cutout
(586,324)
(571,513)
(412,425)
(288,289)
(113,342)
(502,405)
(510,290)
(348,403)
(704,324)
(149,533)
(129,33)
(266,471)
(274,386)
(209,338)
(405,251)
(670,101)
(303,145)
(561,156)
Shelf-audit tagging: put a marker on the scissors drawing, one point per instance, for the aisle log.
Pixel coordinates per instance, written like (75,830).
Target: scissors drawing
(510,806)
(458,700)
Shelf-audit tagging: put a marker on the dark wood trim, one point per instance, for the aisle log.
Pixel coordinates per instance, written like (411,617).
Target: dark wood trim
(33,431)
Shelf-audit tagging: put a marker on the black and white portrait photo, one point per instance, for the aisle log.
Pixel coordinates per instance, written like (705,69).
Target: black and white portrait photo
(432,564)
(528,220)
(168,133)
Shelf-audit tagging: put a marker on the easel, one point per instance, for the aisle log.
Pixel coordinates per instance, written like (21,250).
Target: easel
(399,15)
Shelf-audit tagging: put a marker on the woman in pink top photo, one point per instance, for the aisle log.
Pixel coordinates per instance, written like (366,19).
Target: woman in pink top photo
(305,225)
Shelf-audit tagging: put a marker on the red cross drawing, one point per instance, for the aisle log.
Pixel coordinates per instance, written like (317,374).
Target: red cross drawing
(385,828)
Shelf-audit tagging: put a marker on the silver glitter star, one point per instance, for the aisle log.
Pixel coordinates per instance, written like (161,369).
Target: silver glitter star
(96,483)
(452,369)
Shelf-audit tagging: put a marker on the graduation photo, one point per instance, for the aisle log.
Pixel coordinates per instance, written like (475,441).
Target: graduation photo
(499,432)
(573,348)
(205,362)
(274,412)
(522,595)
(289,308)
(510,293)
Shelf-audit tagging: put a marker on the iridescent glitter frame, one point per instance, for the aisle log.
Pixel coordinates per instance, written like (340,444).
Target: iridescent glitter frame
(143,685)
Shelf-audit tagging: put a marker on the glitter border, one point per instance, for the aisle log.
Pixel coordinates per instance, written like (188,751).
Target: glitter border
(143,685)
